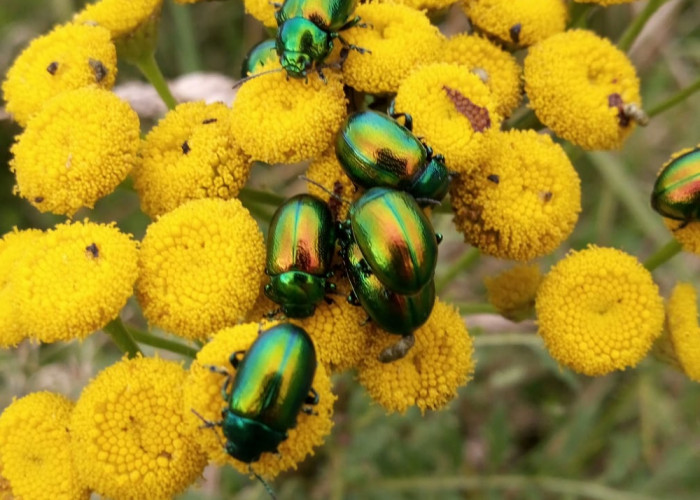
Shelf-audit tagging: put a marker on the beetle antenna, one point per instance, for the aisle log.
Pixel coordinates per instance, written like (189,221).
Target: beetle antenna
(324,188)
(208,424)
(248,78)
(268,488)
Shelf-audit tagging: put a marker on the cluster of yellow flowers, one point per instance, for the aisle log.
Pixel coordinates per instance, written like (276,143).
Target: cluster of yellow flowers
(136,430)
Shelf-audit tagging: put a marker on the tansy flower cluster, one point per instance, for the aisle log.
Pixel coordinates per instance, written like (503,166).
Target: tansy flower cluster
(146,427)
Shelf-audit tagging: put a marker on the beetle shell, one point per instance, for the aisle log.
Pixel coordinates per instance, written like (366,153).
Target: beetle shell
(433,182)
(258,55)
(676,193)
(268,390)
(300,43)
(395,313)
(330,15)
(396,239)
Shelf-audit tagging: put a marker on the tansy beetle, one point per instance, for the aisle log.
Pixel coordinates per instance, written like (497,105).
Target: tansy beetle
(376,150)
(300,246)
(676,193)
(257,56)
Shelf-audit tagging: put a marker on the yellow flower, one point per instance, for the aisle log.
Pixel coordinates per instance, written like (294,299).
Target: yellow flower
(76,150)
(276,120)
(688,236)
(121,19)
(190,154)
(684,333)
(200,267)
(453,110)
(262,10)
(69,57)
(203,394)
(497,68)
(14,248)
(513,291)
(517,22)
(129,435)
(598,311)
(429,375)
(400,39)
(35,453)
(522,202)
(74,280)
(326,171)
(581,86)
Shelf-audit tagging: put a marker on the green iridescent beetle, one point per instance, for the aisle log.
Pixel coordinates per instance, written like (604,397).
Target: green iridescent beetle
(393,312)
(676,193)
(300,246)
(258,56)
(376,150)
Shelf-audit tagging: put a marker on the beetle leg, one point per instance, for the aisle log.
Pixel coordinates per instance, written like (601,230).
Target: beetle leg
(208,424)
(408,123)
(218,369)
(233,359)
(438,237)
(428,201)
(323,78)
(353,300)
(352,46)
(364,266)
(312,398)
(366,320)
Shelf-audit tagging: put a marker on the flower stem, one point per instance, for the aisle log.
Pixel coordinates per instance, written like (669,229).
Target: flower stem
(185,44)
(663,254)
(121,336)
(633,30)
(149,68)
(466,308)
(677,98)
(468,259)
(161,343)
(580,14)
(527,120)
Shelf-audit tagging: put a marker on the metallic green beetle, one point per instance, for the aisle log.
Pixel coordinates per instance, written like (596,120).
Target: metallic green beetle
(306,30)
(676,193)
(395,313)
(271,385)
(376,150)
(395,237)
(300,246)
(258,56)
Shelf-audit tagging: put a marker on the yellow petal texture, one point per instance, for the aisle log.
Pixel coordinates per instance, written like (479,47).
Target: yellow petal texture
(428,376)
(400,39)
(513,291)
(69,57)
(35,455)
(203,394)
(326,171)
(682,321)
(14,248)
(200,267)
(74,280)
(688,236)
(522,202)
(190,154)
(76,150)
(280,120)
(262,10)
(129,437)
(518,22)
(119,17)
(578,85)
(599,311)
(453,111)
(497,68)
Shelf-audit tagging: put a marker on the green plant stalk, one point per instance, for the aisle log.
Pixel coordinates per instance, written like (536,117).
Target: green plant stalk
(148,66)
(475,308)
(527,120)
(161,343)
(121,336)
(633,30)
(264,197)
(663,254)
(677,98)
(464,263)
(185,44)
(580,14)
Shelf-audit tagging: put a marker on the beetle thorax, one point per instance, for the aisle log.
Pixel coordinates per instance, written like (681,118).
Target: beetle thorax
(300,43)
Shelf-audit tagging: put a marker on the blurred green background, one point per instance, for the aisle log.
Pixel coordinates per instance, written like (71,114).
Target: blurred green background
(524,428)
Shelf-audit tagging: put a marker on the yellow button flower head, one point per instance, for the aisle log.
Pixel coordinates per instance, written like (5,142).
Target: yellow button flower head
(203,394)
(200,267)
(400,39)
(513,291)
(522,202)
(429,375)
(35,455)
(326,171)
(121,19)
(583,88)
(70,57)
(453,110)
(74,280)
(14,248)
(684,333)
(76,150)
(276,120)
(598,311)
(129,435)
(497,68)
(520,23)
(190,154)
(262,10)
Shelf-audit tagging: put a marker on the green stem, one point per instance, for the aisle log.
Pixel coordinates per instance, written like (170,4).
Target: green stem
(466,308)
(150,69)
(580,14)
(185,44)
(265,197)
(663,254)
(468,259)
(527,120)
(161,343)
(121,336)
(508,339)
(675,99)
(633,30)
